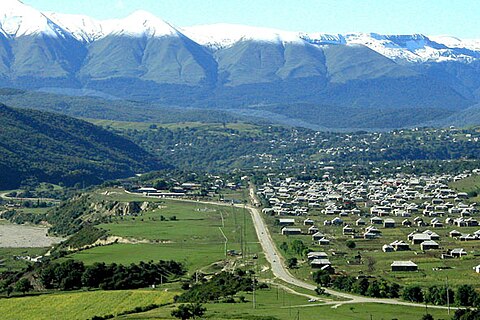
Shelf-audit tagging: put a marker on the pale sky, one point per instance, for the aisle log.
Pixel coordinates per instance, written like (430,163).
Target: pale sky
(460,18)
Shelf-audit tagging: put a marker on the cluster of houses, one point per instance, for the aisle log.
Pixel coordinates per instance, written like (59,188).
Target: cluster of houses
(211,187)
(407,201)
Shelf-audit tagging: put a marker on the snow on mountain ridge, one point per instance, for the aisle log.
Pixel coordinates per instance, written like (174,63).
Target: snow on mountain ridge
(18,19)
(224,35)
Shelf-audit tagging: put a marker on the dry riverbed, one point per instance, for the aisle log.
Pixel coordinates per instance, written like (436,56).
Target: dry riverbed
(23,236)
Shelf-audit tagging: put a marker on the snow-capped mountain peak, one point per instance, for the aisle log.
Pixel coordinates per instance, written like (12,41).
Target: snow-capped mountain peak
(224,35)
(18,19)
(82,28)
(138,24)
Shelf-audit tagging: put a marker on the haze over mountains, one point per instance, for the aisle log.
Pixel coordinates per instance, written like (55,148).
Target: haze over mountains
(316,78)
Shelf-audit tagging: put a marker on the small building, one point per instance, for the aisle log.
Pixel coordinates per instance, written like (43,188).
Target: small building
(286,222)
(360,222)
(317,236)
(348,230)
(418,238)
(406,223)
(477,269)
(369,235)
(291,231)
(458,252)
(400,245)
(324,242)
(404,266)
(308,222)
(316,255)
(320,263)
(389,223)
(429,245)
(376,220)
(454,233)
(312,230)
(337,221)
(387,248)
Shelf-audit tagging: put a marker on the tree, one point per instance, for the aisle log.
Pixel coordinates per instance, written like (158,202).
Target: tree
(466,296)
(23,285)
(188,311)
(427,316)
(284,246)
(351,244)
(322,277)
(292,262)
(412,293)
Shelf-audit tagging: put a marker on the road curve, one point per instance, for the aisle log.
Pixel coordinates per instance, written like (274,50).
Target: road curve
(280,271)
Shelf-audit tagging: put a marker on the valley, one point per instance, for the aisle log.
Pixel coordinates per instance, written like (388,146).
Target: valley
(154,169)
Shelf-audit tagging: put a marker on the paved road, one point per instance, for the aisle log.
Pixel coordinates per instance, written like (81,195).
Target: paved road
(280,271)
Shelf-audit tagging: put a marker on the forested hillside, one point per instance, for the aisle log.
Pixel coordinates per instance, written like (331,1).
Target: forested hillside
(59,149)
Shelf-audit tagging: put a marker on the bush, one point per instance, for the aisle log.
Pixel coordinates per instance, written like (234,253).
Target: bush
(351,244)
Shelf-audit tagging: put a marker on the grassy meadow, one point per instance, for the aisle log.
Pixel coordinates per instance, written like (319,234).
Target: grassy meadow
(188,232)
(280,305)
(80,305)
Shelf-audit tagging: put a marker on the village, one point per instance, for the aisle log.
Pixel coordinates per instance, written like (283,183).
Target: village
(398,220)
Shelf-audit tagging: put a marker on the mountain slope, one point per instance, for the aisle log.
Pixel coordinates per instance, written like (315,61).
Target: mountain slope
(224,66)
(55,148)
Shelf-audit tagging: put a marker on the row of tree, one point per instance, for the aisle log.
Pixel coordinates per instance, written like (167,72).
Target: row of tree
(464,295)
(377,288)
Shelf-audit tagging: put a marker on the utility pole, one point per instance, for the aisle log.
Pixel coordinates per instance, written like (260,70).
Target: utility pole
(448,298)
(253,293)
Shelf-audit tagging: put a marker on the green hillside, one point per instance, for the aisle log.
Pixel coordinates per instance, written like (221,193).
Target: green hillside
(55,148)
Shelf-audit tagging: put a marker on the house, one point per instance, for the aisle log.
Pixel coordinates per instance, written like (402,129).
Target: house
(312,230)
(316,255)
(477,269)
(404,266)
(348,230)
(455,233)
(400,245)
(320,263)
(372,229)
(387,248)
(389,223)
(291,231)
(360,222)
(337,221)
(308,222)
(433,235)
(437,224)
(458,252)
(323,242)
(418,238)
(468,237)
(429,245)
(369,235)
(317,236)
(406,223)
(286,222)
(376,220)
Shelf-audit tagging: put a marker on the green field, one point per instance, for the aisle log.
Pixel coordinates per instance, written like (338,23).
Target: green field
(80,305)
(195,237)
(432,269)
(286,306)
(180,125)
(469,185)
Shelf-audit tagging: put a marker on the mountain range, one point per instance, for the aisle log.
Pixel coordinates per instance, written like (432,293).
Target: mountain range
(245,70)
